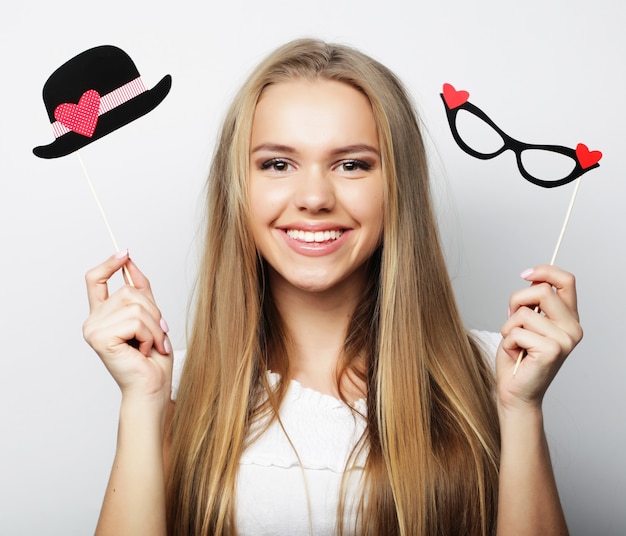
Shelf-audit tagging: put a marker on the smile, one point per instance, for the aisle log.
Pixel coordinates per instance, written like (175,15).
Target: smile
(310,236)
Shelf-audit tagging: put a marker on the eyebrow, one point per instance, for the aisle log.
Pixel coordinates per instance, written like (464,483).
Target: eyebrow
(280,148)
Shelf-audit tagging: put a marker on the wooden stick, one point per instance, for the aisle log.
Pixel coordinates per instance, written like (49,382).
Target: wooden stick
(522,352)
(129,279)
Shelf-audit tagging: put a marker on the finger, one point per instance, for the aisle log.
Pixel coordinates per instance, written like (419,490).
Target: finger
(147,337)
(141,282)
(563,282)
(541,297)
(537,348)
(518,338)
(135,324)
(541,361)
(98,277)
(559,336)
(566,333)
(151,332)
(136,303)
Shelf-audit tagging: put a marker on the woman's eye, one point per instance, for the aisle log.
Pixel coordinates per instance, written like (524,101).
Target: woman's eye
(354,165)
(275,164)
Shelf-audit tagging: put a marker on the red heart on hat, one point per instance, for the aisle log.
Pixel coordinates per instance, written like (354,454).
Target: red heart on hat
(454,98)
(586,157)
(81,118)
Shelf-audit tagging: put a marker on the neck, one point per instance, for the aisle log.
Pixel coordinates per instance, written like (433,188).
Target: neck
(317,324)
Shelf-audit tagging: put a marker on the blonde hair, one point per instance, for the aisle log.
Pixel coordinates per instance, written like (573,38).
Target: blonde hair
(432,436)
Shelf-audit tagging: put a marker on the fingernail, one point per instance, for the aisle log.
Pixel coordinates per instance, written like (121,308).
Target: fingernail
(527,273)
(121,254)
(508,313)
(164,325)
(167,346)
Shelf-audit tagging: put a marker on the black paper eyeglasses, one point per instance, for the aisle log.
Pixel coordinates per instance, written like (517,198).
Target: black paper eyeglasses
(583,159)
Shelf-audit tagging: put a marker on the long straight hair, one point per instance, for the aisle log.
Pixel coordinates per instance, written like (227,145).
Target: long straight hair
(432,436)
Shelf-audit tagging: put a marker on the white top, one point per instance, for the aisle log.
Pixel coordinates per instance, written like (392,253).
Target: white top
(272,485)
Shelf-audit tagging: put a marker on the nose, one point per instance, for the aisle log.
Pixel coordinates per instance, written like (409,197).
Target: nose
(315,191)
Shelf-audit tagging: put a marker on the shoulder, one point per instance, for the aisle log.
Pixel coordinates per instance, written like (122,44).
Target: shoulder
(488,342)
(177,369)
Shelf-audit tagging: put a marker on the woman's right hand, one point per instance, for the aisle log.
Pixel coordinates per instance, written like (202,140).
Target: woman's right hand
(127,331)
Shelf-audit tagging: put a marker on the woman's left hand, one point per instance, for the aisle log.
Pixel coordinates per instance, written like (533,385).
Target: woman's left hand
(547,336)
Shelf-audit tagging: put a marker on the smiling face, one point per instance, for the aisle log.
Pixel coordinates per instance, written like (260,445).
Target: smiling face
(316,186)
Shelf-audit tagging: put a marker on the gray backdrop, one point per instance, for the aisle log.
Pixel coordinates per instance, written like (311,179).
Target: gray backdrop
(547,71)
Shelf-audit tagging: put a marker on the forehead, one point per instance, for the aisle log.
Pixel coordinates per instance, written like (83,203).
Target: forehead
(313,112)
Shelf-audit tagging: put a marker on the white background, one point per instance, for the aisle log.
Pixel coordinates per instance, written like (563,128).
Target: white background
(547,71)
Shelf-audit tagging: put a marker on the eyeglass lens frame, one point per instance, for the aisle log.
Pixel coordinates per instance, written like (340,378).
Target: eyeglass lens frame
(518,147)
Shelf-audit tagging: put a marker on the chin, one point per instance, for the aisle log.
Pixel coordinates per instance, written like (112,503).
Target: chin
(313,285)
(318,281)
(313,282)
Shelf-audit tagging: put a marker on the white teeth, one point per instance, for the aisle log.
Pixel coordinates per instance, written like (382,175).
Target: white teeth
(317,236)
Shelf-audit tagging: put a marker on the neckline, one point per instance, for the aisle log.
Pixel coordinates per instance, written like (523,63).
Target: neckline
(299,390)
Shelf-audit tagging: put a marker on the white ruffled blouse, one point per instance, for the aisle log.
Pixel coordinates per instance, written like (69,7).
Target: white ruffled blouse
(277,493)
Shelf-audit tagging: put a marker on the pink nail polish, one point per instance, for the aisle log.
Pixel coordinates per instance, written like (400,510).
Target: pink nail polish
(121,254)
(527,273)
(167,346)
(164,325)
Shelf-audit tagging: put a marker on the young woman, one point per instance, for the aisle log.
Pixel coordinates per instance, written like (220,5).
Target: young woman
(329,386)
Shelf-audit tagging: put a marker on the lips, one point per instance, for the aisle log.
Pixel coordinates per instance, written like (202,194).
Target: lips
(315,240)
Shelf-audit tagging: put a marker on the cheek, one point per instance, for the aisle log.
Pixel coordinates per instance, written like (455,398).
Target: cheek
(366,207)
(267,197)
(267,204)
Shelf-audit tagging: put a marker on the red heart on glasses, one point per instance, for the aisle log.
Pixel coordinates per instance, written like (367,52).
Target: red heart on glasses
(81,118)
(454,98)
(586,157)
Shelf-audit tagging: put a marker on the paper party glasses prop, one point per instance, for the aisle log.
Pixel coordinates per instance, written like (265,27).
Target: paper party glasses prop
(93,94)
(581,158)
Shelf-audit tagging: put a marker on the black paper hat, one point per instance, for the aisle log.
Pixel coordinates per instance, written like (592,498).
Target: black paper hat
(93,94)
